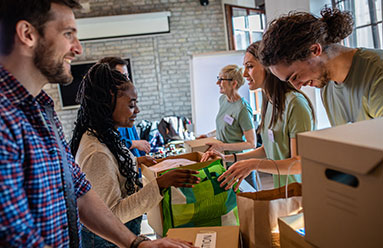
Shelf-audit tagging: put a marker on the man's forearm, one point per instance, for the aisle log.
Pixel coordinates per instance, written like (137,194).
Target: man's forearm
(98,218)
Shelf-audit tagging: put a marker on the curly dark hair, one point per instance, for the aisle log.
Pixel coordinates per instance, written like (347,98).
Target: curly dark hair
(37,12)
(274,91)
(290,37)
(98,95)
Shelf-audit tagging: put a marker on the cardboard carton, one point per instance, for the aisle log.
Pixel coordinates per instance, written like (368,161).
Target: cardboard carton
(155,217)
(289,237)
(342,172)
(198,145)
(226,236)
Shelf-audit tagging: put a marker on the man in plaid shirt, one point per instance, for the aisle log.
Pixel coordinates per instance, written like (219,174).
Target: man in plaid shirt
(37,44)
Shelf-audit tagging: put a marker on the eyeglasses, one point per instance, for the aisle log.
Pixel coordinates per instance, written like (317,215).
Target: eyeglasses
(223,79)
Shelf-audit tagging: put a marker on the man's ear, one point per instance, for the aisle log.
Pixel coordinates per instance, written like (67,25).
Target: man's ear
(26,33)
(316,49)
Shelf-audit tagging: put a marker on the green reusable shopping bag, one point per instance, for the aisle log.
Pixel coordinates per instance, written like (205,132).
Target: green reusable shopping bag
(206,204)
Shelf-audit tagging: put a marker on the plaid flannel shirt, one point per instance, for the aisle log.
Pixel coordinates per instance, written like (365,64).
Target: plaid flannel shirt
(32,205)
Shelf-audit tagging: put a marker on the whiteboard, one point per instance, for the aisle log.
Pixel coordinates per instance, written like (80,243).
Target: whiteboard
(204,90)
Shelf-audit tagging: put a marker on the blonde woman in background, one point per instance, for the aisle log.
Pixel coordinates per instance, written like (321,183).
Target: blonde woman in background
(234,121)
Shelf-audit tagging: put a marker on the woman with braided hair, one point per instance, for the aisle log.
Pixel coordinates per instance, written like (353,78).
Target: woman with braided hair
(109,100)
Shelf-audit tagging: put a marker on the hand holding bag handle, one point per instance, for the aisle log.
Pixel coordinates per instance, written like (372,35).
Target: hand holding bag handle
(259,212)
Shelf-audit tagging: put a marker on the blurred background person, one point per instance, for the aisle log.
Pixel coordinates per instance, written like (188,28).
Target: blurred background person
(234,121)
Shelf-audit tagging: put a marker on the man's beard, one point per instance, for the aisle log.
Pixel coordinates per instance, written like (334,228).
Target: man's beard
(53,70)
(324,78)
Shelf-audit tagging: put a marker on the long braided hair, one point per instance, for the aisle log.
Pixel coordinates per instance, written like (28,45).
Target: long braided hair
(97,95)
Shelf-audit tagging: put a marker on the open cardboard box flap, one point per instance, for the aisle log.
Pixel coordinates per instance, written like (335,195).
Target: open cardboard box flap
(348,147)
(194,156)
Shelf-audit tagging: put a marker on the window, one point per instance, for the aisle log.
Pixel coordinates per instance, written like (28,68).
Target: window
(244,25)
(367,16)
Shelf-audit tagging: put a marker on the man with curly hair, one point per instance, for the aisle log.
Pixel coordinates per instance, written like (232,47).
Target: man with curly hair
(302,49)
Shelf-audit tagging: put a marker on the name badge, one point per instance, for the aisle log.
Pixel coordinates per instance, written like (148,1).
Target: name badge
(228,119)
(271,135)
(206,239)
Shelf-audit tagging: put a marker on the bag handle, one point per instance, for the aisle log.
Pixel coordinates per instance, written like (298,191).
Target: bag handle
(258,179)
(287,178)
(279,175)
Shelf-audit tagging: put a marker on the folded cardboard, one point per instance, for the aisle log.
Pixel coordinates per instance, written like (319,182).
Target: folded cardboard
(289,237)
(199,145)
(342,173)
(224,236)
(155,217)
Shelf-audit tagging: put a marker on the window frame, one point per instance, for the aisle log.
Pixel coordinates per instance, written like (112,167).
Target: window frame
(229,21)
(352,39)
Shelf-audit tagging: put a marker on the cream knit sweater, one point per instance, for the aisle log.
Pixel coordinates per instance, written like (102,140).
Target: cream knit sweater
(101,169)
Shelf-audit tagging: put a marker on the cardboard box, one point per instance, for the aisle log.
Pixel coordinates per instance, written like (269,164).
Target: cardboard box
(226,236)
(289,237)
(155,217)
(342,172)
(198,145)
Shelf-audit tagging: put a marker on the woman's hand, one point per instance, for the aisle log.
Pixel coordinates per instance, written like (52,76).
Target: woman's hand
(217,145)
(212,154)
(141,145)
(237,172)
(146,160)
(178,178)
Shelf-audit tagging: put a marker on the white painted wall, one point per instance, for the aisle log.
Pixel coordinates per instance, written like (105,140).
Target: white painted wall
(275,8)
(242,3)
(317,5)
(204,69)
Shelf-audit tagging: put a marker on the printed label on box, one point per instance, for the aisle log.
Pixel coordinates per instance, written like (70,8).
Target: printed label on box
(206,239)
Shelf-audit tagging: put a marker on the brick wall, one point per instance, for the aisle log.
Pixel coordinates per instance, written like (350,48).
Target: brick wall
(160,63)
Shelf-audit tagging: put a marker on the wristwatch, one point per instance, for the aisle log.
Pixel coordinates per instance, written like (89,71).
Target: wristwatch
(139,240)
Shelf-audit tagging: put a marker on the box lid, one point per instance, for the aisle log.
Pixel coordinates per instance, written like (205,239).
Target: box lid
(356,147)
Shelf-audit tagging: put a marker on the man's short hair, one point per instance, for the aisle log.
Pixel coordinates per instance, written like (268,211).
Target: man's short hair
(34,11)
(113,61)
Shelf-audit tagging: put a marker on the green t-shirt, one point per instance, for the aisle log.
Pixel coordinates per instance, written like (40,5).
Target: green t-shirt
(360,96)
(233,119)
(296,118)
